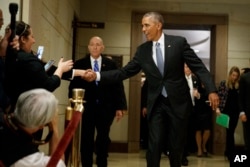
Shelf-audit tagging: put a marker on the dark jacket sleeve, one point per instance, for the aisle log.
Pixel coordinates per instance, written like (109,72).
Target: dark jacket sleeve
(26,73)
(65,76)
(144,92)
(244,93)
(119,96)
(32,71)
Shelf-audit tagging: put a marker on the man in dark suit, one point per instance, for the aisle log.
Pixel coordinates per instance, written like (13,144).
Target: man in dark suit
(169,102)
(103,103)
(244,103)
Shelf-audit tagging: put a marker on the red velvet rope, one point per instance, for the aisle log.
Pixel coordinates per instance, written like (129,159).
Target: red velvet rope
(65,140)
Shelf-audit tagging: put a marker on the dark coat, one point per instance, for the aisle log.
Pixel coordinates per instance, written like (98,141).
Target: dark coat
(27,72)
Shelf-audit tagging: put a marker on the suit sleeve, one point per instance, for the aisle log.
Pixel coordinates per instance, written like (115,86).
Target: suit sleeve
(144,93)
(198,67)
(117,75)
(66,76)
(121,102)
(242,93)
(119,93)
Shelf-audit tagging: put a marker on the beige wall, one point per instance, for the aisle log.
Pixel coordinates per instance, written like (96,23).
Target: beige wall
(51,23)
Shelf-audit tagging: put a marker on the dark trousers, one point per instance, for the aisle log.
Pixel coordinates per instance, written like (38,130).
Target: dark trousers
(190,145)
(100,119)
(246,130)
(230,142)
(143,132)
(162,120)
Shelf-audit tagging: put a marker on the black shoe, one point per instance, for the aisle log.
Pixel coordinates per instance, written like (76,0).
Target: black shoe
(184,161)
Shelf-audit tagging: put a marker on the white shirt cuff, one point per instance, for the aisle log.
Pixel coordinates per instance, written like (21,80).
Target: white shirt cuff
(98,76)
(73,74)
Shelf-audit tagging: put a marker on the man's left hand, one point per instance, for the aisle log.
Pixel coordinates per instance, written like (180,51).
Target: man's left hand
(214,100)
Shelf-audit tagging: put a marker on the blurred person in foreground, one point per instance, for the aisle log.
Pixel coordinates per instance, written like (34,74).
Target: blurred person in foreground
(244,106)
(4,100)
(34,110)
(162,59)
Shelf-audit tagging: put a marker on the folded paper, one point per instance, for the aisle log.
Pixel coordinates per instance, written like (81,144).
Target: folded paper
(223,120)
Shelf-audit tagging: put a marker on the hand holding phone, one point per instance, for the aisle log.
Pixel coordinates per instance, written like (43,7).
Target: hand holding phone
(48,65)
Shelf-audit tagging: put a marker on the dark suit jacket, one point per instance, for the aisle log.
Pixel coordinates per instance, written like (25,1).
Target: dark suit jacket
(244,94)
(111,96)
(177,51)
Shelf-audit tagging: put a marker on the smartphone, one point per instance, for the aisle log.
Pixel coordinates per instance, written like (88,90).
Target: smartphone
(48,65)
(40,52)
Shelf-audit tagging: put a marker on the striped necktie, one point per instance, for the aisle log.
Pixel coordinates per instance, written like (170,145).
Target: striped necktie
(160,65)
(96,68)
(159,58)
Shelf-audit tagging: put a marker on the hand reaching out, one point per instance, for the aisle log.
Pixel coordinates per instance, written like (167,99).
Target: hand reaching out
(89,75)
(65,66)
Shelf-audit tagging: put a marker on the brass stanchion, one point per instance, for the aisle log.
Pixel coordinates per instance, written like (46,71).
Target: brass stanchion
(70,141)
(72,154)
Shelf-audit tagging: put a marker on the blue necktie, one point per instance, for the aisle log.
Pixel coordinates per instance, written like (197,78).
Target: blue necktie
(160,65)
(96,69)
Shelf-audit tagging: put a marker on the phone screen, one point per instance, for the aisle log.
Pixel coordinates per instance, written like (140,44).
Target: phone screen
(48,65)
(40,52)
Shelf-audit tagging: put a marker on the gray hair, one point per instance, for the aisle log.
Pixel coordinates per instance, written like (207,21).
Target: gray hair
(35,108)
(156,16)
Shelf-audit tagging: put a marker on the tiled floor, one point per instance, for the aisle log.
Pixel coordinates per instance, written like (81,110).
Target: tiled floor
(138,160)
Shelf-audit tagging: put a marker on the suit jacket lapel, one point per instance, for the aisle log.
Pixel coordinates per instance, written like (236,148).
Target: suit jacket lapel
(150,56)
(168,50)
(103,64)
(89,62)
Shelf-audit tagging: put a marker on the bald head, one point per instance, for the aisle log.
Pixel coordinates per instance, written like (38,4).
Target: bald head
(96,46)
(96,38)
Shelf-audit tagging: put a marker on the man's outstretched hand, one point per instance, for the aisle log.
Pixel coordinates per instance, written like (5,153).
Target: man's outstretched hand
(89,75)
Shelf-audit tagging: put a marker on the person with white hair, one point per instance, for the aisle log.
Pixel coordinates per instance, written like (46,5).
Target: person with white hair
(35,109)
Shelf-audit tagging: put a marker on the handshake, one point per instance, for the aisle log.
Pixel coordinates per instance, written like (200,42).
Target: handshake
(88,75)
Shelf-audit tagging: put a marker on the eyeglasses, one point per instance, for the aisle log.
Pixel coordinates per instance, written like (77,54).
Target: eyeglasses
(11,122)
(47,138)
